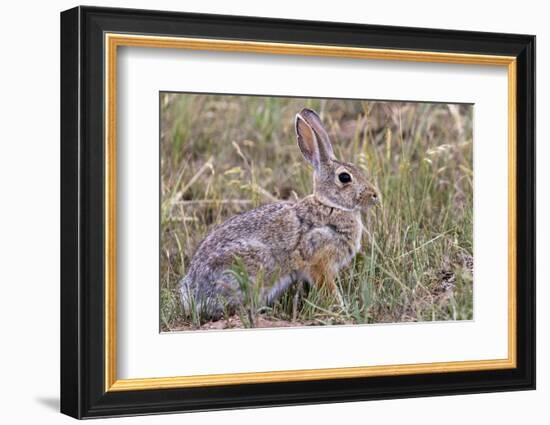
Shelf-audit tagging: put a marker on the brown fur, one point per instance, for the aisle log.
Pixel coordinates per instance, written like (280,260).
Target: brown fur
(310,240)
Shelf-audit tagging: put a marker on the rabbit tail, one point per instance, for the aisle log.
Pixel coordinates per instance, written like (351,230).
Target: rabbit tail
(203,300)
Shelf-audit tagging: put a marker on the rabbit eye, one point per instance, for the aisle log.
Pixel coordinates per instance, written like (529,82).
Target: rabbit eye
(344,177)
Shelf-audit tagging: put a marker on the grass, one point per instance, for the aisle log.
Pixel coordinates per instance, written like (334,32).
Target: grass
(221,155)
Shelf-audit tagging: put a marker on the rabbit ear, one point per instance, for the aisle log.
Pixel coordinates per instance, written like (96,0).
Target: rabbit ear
(307,141)
(313,139)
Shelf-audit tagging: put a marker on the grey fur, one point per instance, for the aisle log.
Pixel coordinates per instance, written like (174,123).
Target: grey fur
(309,240)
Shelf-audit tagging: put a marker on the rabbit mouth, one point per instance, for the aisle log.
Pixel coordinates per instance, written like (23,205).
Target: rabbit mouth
(368,199)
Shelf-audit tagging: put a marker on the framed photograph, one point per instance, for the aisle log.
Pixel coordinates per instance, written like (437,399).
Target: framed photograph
(260,212)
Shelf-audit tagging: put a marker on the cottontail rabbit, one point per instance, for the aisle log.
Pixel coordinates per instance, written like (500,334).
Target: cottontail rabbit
(286,242)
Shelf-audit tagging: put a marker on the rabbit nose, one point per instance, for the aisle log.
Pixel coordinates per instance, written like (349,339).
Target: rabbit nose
(374,195)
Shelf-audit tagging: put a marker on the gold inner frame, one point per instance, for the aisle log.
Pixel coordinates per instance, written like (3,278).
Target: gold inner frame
(113,41)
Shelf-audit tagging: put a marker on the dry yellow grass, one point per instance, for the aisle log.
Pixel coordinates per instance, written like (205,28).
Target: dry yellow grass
(222,155)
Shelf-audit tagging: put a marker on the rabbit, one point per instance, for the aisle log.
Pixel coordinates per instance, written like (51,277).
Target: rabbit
(309,240)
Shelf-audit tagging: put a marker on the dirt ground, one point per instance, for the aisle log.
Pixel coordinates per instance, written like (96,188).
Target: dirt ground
(234,322)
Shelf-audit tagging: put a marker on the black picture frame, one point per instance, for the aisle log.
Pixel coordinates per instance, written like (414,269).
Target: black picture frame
(83,392)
